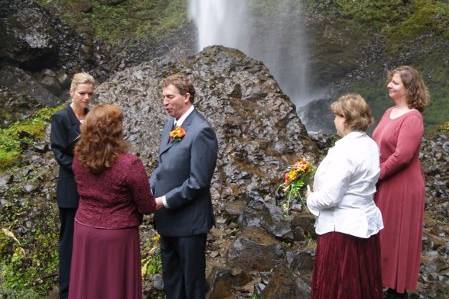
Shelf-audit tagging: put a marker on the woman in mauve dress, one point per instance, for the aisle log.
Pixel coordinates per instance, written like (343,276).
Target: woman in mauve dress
(400,194)
(113,193)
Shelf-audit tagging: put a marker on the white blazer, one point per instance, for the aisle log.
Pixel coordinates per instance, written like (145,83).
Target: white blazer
(344,187)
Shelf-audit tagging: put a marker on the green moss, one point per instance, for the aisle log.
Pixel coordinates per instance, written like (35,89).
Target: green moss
(22,133)
(424,16)
(149,19)
(400,21)
(28,242)
(376,13)
(444,128)
(151,257)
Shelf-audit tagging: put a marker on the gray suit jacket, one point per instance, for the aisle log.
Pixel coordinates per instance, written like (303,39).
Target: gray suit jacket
(183,174)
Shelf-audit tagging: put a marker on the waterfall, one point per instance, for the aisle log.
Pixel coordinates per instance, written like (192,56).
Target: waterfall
(269,31)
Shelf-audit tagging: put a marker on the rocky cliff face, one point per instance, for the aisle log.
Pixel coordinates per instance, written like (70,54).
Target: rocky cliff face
(39,53)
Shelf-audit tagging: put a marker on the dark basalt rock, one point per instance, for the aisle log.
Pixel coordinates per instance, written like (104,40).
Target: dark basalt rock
(317,116)
(21,82)
(31,41)
(15,106)
(37,43)
(112,2)
(36,39)
(255,250)
(223,280)
(285,284)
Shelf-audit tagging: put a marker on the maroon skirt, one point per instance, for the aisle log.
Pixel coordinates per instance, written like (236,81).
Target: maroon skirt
(347,267)
(105,264)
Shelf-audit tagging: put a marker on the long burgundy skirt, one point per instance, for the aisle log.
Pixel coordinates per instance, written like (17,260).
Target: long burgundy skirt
(347,267)
(105,264)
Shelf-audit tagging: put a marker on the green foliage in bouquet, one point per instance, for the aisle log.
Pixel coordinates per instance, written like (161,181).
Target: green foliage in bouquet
(296,179)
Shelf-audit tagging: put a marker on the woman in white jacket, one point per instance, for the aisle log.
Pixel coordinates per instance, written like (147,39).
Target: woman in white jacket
(347,260)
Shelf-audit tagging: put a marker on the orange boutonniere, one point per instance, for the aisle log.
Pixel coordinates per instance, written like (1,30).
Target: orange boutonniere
(177,134)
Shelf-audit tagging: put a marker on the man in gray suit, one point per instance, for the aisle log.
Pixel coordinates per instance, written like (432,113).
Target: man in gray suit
(181,182)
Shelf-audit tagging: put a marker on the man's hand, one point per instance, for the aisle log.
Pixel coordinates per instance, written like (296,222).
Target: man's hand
(159,203)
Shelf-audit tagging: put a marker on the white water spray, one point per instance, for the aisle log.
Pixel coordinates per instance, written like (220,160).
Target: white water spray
(274,36)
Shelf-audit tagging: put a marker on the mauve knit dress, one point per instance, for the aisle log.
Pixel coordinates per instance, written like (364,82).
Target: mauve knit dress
(400,197)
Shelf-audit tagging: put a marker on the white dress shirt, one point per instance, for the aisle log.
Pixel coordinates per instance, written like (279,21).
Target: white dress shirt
(178,122)
(344,187)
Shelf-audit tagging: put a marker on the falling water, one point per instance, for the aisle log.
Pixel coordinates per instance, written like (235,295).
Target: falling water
(273,35)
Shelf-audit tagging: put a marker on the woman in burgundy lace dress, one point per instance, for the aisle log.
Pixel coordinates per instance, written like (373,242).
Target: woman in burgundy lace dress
(114,193)
(400,193)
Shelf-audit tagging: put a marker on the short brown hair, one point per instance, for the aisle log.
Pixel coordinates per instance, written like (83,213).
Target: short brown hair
(101,139)
(81,78)
(354,109)
(182,83)
(417,92)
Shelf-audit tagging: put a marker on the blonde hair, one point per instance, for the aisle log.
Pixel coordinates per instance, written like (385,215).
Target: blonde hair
(101,140)
(81,78)
(417,92)
(354,109)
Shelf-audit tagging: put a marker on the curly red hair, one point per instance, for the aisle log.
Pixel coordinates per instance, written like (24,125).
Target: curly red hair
(101,140)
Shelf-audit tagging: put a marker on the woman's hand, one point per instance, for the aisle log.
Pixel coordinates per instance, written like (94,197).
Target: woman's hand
(309,191)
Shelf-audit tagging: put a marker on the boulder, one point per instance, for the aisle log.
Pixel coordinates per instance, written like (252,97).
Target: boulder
(259,135)
(31,40)
(285,285)
(255,250)
(223,280)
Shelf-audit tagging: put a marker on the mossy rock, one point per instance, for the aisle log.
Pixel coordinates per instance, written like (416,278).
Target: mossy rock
(21,135)
(124,20)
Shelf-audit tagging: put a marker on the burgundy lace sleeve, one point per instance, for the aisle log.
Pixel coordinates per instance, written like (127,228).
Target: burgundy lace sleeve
(137,180)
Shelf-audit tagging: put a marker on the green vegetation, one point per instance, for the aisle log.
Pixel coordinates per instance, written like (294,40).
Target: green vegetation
(151,257)
(399,20)
(376,13)
(28,243)
(28,230)
(22,134)
(444,128)
(29,269)
(146,19)
(423,16)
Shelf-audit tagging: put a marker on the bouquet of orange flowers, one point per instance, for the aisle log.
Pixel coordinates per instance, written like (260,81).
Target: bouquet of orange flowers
(296,179)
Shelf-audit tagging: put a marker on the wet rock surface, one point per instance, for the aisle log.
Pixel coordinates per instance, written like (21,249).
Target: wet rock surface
(317,116)
(15,106)
(39,40)
(39,54)
(21,82)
